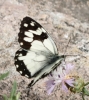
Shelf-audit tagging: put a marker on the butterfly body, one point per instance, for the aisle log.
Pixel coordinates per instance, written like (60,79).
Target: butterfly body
(38,55)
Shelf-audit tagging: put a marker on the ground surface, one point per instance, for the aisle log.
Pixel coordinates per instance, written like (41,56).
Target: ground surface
(62,19)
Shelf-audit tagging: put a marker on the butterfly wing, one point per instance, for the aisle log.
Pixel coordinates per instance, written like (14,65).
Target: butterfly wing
(30,31)
(38,55)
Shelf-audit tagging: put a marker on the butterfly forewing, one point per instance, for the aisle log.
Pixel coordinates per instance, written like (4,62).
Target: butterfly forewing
(38,55)
(30,31)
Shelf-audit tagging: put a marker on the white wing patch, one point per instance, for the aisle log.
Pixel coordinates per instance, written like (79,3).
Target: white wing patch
(37,32)
(28,39)
(49,45)
(17,66)
(21,43)
(32,23)
(29,34)
(43,30)
(25,25)
(37,45)
(32,61)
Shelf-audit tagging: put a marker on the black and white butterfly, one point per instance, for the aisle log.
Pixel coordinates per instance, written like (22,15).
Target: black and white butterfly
(38,55)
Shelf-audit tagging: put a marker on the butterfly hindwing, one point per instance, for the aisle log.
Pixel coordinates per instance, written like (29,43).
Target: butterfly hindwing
(35,64)
(38,54)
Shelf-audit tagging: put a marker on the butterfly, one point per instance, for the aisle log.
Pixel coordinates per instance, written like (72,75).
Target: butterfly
(38,55)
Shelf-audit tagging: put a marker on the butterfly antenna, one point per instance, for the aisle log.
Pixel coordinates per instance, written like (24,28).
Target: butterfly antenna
(66,50)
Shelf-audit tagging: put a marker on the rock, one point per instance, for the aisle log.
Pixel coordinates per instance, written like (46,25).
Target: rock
(70,34)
